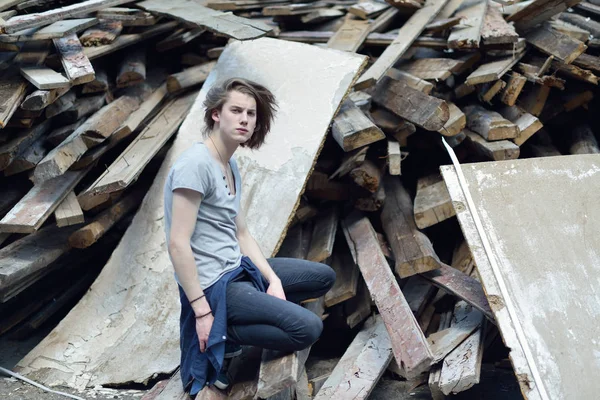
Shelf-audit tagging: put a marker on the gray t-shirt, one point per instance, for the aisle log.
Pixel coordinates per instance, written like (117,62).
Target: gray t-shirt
(214,242)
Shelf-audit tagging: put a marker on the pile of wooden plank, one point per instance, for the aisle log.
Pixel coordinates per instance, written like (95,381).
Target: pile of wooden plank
(83,119)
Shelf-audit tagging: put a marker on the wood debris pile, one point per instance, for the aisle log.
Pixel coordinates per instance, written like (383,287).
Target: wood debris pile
(83,119)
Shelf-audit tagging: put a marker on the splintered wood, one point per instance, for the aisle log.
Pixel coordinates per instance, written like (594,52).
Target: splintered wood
(408,342)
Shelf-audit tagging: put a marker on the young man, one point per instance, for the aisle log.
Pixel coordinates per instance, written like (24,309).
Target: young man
(230,294)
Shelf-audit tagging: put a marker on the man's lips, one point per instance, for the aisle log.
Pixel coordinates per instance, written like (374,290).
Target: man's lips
(242,130)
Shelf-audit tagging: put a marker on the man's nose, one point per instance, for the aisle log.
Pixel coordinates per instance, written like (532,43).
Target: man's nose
(244,118)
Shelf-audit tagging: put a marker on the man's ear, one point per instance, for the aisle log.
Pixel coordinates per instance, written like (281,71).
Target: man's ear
(215,115)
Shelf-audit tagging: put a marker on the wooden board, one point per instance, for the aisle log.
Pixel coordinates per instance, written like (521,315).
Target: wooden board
(539,11)
(527,123)
(361,366)
(352,129)
(102,34)
(513,89)
(350,36)
(53,31)
(406,36)
(432,68)
(468,34)
(489,124)
(516,273)
(413,251)
(323,236)
(408,342)
(77,66)
(191,12)
(432,202)
(557,44)
(12,93)
(69,211)
(496,150)
(456,122)
(492,71)
(37,205)
(130,164)
(31,254)
(45,78)
(35,20)
(422,110)
(109,325)
(495,29)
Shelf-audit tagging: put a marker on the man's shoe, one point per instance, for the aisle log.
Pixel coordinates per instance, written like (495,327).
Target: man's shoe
(222,381)
(232,350)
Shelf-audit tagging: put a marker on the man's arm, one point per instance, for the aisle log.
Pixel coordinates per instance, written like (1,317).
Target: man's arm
(250,248)
(185,209)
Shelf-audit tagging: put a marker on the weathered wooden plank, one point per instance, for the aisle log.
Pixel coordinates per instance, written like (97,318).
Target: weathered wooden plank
(102,34)
(127,16)
(497,150)
(193,13)
(493,71)
(128,40)
(29,255)
(535,100)
(465,322)
(417,292)
(69,211)
(569,29)
(347,277)
(133,68)
(90,134)
(350,36)
(352,129)
(98,85)
(323,236)
(432,68)
(462,286)
(489,124)
(368,9)
(495,29)
(12,92)
(406,36)
(56,30)
(527,123)
(45,78)
(589,62)
(513,89)
(361,366)
(573,71)
(408,342)
(422,110)
(555,43)
(41,99)
(432,202)
(89,234)
(189,77)
(413,252)
(539,11)
(588,24)
(35,20)
(11,149)
(30,213)
(411,80)
(456,121)
(367,176)
(468,34)
(462,367)
(29,158)
(77,66)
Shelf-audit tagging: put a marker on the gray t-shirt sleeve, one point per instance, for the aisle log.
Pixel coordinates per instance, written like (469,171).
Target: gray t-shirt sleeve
(192,173)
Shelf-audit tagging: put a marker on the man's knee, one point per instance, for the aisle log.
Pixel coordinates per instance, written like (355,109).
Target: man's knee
(310,332)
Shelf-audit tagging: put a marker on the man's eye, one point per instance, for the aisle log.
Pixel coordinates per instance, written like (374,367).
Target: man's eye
(251,114)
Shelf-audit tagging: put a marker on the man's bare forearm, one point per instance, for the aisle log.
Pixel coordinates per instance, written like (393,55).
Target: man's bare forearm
(185,268)
(250,248)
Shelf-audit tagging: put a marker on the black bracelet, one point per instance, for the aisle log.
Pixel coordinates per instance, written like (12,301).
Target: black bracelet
(196,299)
(202,316)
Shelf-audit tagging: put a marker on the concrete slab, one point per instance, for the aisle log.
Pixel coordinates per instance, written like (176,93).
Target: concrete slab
(542,276)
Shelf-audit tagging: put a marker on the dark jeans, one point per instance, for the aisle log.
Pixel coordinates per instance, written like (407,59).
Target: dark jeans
(258,319)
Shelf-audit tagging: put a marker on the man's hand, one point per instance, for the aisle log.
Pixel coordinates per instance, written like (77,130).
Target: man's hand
(203,327)
(275,289)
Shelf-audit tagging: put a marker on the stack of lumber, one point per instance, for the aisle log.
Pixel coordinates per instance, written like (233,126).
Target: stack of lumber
(83,120)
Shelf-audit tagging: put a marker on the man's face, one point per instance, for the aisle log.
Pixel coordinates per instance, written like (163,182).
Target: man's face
(237,118)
